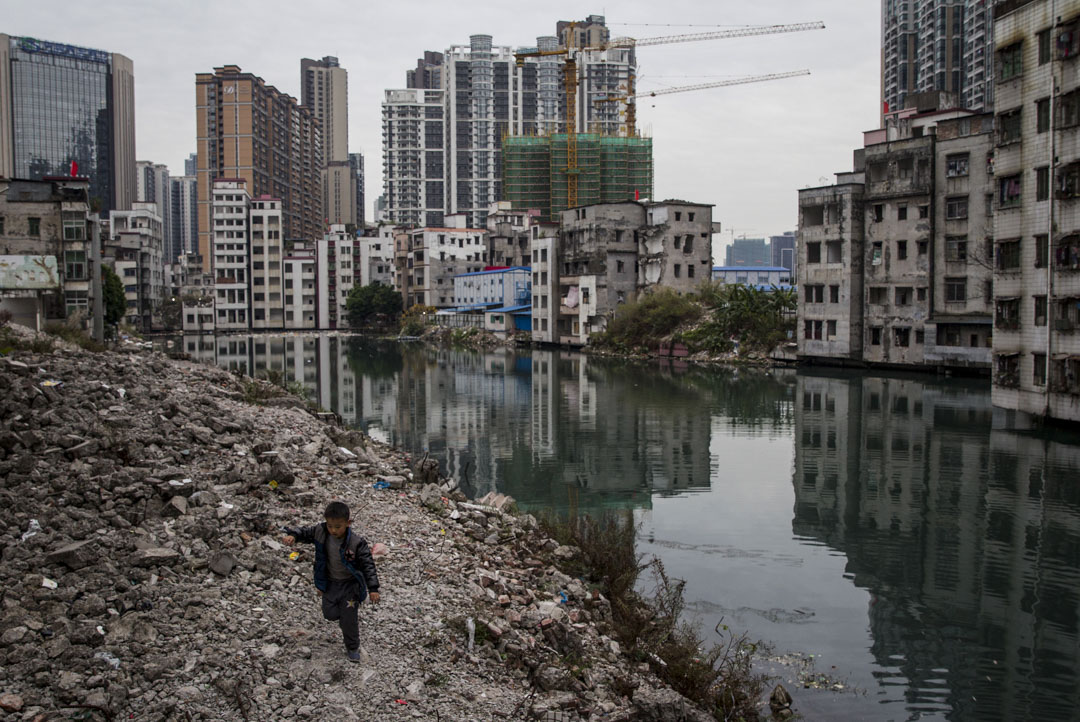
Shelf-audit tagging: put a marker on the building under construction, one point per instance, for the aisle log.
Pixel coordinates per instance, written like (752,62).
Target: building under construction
(608,169)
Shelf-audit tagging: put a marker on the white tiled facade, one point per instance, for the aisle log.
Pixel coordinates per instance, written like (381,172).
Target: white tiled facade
(230,242)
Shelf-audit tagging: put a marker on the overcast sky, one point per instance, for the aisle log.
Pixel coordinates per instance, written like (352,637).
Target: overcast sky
(747,149)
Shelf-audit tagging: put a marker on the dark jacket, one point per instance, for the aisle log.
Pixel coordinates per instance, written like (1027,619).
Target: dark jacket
(355,555)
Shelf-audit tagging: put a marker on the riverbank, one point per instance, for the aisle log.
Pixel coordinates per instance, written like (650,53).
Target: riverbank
(143,573)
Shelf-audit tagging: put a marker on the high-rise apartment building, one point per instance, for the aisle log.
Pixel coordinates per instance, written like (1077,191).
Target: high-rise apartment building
(442,137)
(414,156)
(184,214)
(152,186)
(252,131)
(191,164)
(428,72)
(62,105)
(356,160)
(137,248)
(937,45)
(1036,196)
(325,90)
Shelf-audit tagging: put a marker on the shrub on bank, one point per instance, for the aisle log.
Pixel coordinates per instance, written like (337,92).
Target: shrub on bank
(652,319)
(721,680)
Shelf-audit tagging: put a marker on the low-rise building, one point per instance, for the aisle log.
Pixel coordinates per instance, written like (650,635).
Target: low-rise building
(608,253)
(136,248)
(46,225)
(267,271)
(230,243)
(893,260)
(299,288)
(763,277)
(433,256)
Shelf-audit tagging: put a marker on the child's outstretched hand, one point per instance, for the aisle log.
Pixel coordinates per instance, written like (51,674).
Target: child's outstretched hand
(288,540)
(374,597)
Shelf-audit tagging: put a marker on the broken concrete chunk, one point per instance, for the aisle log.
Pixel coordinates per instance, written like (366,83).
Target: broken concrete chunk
(73,556)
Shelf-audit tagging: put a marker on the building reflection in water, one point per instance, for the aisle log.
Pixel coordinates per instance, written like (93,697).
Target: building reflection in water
(967,539)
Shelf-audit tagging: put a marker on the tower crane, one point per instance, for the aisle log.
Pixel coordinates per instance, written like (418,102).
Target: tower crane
(570,76)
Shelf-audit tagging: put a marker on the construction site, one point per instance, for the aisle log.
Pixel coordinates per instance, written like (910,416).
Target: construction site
(608,169)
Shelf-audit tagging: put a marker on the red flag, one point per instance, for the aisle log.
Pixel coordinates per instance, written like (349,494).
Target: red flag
(637,195)
(74,169)
(886,106)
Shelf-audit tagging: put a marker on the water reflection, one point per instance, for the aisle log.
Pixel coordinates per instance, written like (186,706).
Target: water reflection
(968,541)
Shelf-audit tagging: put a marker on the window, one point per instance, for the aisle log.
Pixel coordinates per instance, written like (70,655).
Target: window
(956,249)
(1007,369)
(834,294)
(876,171)
(690,217)
(1007,255)
(815,294)
(75,265)
(1067,45)
(905,167)
(903,295)
(922,246)
(813,252)
(1038,370)
(920,338)
(876,254)
(1068,109)
(956,207)
(1010,62)
(902,336)
(1042,184)
(901,250)
(689,270)
(956,165)
(1068,181)
(1007,313)
(834,252)
(1008,127)
(1043,38)
(1040,310)
(955,289)
(830,331)
(678,271)
(678,216)
(879,213)
(688,244)
(920,293)
(1042,115)
(924,211)
(875,336)
(1,225)
(33,226)
(879,295)
(619,266)
(813,215)
(74,226)
(901,212)
(1009,191)
(1042,250)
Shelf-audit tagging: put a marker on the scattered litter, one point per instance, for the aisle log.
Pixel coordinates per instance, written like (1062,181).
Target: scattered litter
(562,598)
(400,701)
(122,392)
(48,583)
(51,383)
(294,556)
(108,657)
(33,529)
(471,626)
(345,451)
(273,484)
(381,484)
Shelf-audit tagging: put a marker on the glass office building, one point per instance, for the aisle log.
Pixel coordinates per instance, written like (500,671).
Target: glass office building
(69,104)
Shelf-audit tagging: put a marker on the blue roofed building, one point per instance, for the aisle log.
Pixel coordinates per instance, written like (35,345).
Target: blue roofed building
(764,277)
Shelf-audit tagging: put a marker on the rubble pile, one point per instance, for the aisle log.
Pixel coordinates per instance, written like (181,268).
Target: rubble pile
(142,574)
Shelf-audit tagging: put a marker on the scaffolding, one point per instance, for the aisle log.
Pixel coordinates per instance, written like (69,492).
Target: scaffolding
(609,169)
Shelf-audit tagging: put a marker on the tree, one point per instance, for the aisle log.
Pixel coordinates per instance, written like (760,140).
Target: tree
(115,301)
(367,302)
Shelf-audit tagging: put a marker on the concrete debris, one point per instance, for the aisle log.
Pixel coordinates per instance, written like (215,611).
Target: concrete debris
(142,574)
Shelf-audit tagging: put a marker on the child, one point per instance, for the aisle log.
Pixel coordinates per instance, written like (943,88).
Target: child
(344,570)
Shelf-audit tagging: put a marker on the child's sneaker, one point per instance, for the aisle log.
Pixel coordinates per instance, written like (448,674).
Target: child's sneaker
(353,655)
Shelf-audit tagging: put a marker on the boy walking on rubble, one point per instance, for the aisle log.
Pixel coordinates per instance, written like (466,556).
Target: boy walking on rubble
(344,570)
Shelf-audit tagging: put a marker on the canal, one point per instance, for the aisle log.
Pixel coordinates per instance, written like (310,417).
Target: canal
(873,530)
